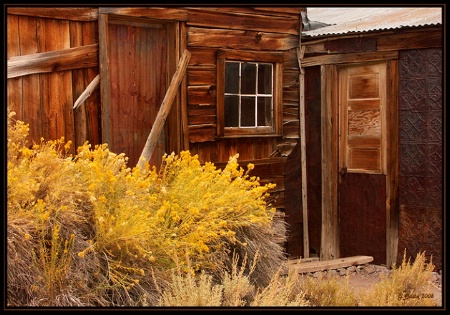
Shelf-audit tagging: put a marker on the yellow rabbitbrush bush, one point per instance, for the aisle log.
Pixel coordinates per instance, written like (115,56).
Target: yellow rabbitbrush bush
(88,230)
(48,221)
(202,207)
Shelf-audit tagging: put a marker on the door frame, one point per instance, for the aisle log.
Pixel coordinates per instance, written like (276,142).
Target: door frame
(330,233)
(175,44)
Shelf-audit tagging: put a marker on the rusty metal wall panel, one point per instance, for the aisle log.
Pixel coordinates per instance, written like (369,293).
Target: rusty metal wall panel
(420,169)
(362,216)
(420,230)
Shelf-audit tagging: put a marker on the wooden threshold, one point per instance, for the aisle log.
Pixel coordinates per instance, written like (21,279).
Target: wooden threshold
(312,266)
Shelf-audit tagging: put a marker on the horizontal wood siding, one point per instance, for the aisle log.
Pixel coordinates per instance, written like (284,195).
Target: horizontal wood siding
(236,39)
(251,30)
(247,21)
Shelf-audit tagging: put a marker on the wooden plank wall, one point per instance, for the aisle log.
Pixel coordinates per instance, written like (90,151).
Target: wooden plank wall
(44,99)
(237,28)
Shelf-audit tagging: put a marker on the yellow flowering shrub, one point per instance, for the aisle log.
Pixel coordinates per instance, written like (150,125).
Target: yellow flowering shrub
(123,223)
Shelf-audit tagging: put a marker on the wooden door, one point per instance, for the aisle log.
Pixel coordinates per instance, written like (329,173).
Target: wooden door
(134,80)
(362,161)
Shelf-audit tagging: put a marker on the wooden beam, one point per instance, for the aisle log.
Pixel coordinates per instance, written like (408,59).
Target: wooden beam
(105,84)
(163,13)
(184,105)
(164,109)
(392,151)
(303,156)
(329,247)
(52,61)
(72,14)
(348,58)
(87,92)
(313,266)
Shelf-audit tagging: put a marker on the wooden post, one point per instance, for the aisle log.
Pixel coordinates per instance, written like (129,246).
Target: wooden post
(164,109)
(86,93)
(303,155)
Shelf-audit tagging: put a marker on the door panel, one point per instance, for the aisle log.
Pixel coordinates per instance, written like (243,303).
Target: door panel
(137,56)
(362,99)
(362,215)
(362,170)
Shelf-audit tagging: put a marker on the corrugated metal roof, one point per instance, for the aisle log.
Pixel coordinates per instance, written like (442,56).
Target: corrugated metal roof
(342,20)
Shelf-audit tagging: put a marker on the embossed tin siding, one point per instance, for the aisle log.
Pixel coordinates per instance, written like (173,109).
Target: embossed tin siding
(420,146)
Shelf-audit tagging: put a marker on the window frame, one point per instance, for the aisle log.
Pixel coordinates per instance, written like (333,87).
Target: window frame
(276,58)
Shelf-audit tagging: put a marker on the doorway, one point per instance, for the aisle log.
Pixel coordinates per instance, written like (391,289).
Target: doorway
(135,73)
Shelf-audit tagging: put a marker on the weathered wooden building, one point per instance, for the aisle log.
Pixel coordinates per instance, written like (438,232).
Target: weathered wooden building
(373,90)
(249,81)
(240,92)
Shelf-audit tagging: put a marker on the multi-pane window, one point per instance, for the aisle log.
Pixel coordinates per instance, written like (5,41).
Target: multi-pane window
(249,93)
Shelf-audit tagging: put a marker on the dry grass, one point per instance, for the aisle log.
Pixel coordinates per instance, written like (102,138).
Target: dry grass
(406,285)
(326,291)
(86,230)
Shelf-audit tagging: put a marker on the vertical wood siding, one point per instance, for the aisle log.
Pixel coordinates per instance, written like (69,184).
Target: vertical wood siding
(137,76)
(45,100)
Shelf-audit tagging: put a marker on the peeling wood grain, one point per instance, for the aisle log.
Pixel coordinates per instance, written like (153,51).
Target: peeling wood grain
(201,133)
(201,77)
(201,95)
(202,56)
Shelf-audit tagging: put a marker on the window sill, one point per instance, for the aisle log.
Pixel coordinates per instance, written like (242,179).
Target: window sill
(249,136)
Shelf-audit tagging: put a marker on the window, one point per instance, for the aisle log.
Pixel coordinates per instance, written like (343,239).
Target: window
(249,93)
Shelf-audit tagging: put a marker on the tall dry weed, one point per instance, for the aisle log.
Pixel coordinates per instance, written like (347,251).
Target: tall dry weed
(406,285)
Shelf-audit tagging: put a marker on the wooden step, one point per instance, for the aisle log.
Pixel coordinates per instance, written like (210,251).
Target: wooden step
(321,265)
